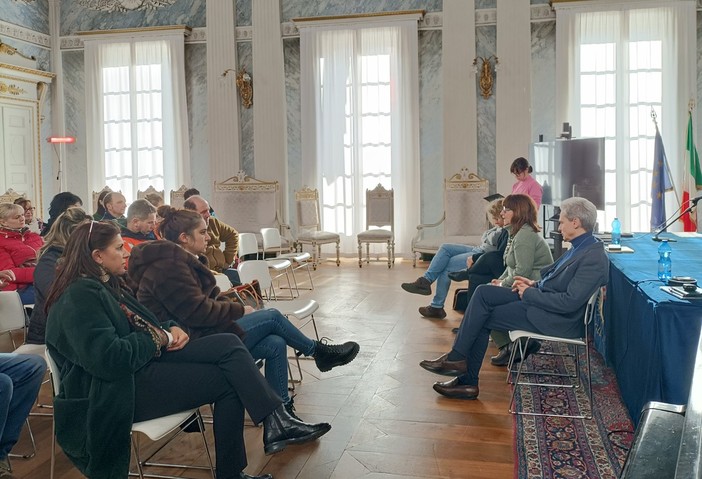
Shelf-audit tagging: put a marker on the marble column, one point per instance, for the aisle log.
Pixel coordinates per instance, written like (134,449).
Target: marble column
(513,92)
(459,99)
(270,130)
(222,97)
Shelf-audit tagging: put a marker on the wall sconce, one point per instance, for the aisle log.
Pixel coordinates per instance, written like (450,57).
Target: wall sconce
(486,74)
(244,83)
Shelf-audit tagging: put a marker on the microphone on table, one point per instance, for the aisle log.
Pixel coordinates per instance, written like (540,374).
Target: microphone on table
(691,206)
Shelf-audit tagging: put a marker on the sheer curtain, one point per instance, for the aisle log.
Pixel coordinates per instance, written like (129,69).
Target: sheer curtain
(360,121)
(617,61)
(137,127)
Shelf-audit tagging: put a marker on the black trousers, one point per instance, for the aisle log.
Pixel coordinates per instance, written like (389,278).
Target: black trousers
(214,369)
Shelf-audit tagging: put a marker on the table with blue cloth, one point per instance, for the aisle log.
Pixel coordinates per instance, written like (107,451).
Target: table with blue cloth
(648,336)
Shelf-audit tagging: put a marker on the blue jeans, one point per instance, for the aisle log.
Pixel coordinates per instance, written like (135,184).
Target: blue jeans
(27,294)
(20,378)
(268,334)
(449,258)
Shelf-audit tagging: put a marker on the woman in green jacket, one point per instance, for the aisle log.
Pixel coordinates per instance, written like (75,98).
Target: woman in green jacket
(118,365)
(527,252)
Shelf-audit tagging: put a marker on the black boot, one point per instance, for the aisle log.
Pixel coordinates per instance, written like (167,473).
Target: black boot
(290,408)
(328,356)
(461,275)
(281,429)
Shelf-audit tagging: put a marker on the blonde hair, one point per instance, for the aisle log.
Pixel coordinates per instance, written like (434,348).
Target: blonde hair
(6,210)
(63,227)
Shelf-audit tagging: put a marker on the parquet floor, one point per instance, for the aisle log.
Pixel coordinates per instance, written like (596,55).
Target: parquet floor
(387,422)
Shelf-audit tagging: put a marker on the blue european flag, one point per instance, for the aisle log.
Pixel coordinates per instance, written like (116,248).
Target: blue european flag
(660,183)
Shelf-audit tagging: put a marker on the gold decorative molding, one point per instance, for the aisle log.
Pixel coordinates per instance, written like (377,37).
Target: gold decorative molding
(359,15)
(11,89)
(27,70)
(121,31)
(8,50)
(245,183)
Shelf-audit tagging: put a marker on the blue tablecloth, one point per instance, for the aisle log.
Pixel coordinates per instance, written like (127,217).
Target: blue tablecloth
(646,335)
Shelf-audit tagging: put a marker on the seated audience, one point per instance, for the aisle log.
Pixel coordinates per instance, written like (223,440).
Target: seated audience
(100,212)
(195,192)
(456,257)
(45,271)
(174,282)
(115,205)
(34,224)
(119,365)
(60,203)
(155,199)
(554,305)
(141,218)
(218,232)
(21,376)
(526,184)
(18,251)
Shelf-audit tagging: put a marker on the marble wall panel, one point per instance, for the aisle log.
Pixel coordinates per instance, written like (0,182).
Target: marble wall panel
(486,45)
(244,55)
(304,8)
(543,80)
(33,15)
(243,12)
(485,4)
(196,90)
(76,18)
(291,53)
(431,126)
(74,94)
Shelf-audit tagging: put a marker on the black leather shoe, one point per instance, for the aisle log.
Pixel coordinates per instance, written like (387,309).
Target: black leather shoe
(533,347)
(502,357)
(280,429)
(328,356)
(461,275)
(452,389)
(243,475)
(443,366)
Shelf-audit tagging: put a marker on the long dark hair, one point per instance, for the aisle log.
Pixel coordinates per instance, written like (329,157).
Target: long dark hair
(77,260)
(60,203)
(176,222)
(524,212)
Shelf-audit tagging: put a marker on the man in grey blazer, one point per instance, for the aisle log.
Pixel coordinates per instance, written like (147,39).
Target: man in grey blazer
(554,305)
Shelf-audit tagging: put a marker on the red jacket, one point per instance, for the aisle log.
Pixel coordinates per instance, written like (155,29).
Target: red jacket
(18,252)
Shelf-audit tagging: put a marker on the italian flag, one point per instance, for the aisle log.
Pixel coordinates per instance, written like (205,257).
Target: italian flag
(692,179)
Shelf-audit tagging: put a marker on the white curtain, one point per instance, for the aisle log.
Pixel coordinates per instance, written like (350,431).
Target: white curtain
(360,121)
(160,154)
(641,55)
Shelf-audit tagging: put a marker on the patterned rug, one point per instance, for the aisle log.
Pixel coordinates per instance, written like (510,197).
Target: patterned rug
(548,447)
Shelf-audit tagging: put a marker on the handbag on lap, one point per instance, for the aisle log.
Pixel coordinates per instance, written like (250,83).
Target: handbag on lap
(248,294)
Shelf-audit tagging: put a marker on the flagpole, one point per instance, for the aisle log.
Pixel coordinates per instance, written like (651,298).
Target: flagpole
(654,117)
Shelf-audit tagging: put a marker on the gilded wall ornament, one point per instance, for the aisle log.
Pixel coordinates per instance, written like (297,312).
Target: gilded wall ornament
(124,5)
(11,89)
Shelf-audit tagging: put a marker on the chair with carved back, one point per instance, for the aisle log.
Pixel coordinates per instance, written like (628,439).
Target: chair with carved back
(10,196)
(149,192)
(176,197)
(309,225)
(464,219)
(248,204)
(380,214)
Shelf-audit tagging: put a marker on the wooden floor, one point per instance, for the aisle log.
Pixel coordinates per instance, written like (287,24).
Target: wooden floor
(387,422)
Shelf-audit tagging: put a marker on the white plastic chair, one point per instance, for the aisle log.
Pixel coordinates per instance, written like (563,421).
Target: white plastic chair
(272,243)
(516,336)
(247,245)
(299,309)
(155,429)
(223,282)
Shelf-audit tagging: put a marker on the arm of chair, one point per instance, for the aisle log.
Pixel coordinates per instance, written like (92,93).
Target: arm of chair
(421,227)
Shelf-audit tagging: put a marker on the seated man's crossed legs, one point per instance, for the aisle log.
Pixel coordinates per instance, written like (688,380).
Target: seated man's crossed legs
(492,307)
(449,258)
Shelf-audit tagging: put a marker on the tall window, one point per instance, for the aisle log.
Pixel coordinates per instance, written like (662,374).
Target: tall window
(139,126)
(360,122)
(616,66)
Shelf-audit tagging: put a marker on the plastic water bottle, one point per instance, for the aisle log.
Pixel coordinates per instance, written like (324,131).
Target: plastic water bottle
(665,265)
(616,232)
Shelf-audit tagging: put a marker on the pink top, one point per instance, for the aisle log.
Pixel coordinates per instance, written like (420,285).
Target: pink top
(529,187)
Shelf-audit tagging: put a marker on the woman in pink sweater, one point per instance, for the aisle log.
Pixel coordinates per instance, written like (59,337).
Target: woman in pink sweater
(526,184)
(18,251)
